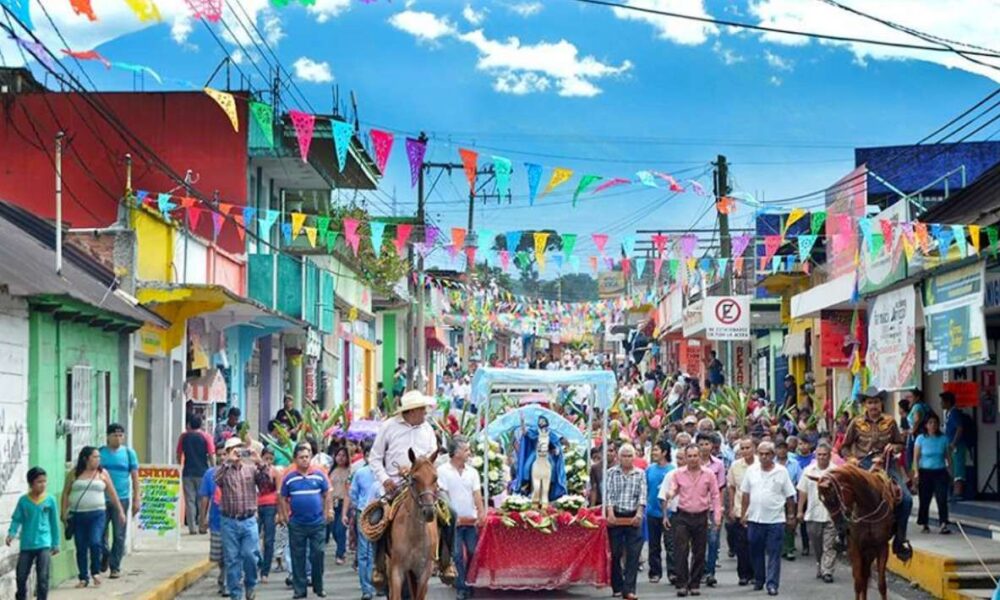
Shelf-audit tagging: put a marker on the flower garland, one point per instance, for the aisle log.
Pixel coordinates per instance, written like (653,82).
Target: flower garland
(517,511)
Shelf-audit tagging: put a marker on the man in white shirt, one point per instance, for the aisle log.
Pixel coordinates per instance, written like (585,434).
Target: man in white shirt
(735,529)
(407,430)
(465,497)
(812,512)
(768,507)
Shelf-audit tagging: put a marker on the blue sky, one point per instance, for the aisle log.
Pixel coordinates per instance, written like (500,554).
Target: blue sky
(582,87)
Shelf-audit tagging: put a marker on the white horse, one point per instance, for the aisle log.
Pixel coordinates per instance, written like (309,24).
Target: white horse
(541,471)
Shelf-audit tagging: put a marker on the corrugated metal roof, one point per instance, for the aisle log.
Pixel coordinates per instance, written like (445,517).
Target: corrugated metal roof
(978,204)
(27,267)
(910,168)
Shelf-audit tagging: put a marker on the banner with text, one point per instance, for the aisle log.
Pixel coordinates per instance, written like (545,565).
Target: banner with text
(160,507)
(953,309)
(727,317)
(892,338)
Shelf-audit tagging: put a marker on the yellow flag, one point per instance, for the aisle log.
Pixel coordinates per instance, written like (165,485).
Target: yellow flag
(907,247)
(144,9)
(974,234)
(691,263)
(793,216)
(540,238)
(227,103)
(311,235)
(559,177)
(856,363)
(298,220)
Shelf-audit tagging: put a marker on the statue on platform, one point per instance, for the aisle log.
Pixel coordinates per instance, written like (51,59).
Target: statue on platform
(541,470)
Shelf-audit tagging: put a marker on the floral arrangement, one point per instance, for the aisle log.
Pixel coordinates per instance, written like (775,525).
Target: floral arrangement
(571,503)
(496,469)
(546,520)
(577,475)
(515,503)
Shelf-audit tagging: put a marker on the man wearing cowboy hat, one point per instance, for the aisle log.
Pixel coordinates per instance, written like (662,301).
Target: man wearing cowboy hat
(406,430)
(868,437)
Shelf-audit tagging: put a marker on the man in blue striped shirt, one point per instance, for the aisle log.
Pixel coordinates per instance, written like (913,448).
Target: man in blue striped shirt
(307,506)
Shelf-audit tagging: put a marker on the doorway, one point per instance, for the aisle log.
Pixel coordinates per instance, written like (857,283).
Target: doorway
(140,413)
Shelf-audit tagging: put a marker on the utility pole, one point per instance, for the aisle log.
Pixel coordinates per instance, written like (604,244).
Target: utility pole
(59,233)
(722,190)
(420,375)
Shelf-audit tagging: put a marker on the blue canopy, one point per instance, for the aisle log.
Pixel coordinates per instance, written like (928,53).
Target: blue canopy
(485,378)
(531,412)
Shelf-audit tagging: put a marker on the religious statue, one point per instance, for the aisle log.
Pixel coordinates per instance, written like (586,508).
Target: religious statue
(541,471)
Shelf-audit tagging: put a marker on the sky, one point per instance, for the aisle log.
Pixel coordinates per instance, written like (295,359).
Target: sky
(561,83)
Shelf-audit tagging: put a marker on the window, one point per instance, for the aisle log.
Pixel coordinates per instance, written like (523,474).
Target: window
(79,399)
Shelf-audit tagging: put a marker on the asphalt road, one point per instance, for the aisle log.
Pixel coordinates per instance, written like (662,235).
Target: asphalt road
(797,581)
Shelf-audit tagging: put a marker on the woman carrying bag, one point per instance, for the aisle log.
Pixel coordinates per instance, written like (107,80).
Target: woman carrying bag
(83,511)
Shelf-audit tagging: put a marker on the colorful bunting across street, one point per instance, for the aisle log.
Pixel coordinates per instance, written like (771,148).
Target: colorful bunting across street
(534,178)
(600,240)
(469,160)
(210,10)
(377,231)
(298,221)
(458,236)
(146,10)
(402,237)
(640,266)
(818,218)
(304,124)
(351,234)
(513,239)
(415,150)
(974,237)
(331,241)
(88,55)
(806,243)
(342,134)
(992,234)
(560,176)
(612,183)
(502,169)
(585,182)
(628,245)
(21,11)
(740,243)
(568,243)
(227,103)
(217,221)
(310,235)
(541,237)
(689,242)
(793,216)
(958,232)
(263,117)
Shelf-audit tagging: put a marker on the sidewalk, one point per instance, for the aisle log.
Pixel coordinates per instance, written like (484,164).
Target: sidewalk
(947,567)
(147,574)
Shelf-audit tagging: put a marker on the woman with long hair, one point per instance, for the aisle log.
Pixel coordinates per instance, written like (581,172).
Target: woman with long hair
(83,511)
(931,464)
(340,476)
(267,510)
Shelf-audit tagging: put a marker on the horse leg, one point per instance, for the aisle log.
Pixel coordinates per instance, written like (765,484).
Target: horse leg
(866,574)
(883,558)
(860,580)
(422,584)
(395,582)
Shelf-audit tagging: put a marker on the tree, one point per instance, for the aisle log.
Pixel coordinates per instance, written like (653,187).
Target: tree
(571,287)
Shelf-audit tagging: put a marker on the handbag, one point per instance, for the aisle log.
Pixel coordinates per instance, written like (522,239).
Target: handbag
(69,518)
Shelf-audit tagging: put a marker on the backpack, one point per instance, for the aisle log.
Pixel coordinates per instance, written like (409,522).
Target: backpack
(968,430)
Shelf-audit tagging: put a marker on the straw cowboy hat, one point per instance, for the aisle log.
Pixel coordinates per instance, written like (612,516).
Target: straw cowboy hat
(414,399)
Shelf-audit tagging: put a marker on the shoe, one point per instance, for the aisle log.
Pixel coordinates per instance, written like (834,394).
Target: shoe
(694,592)
(320,593)
(672,579)
(772,591)
(117,574)
(828,578)
(732,554)
(654,580)
(616,594)
(710,581)
(757,588)
(449,575)
(378,580)
(945,530)
(251,595)
(105,563)
(805,552)
(840,544)
(366,597)
(297,596)
(902,550)
(682,593)
(744,582)
(288,582)
(925,529)
(223,592)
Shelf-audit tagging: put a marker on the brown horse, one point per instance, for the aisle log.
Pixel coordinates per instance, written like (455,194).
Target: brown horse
(864,501)
(413,535)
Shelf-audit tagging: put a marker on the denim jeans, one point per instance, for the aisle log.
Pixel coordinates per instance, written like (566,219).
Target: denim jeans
(266,515)
(118,529)
(88,530)
(466,538)
(712,558)
(366,565)
(300,537)
(42,559)
(337,530)
(241,551)
(765,552)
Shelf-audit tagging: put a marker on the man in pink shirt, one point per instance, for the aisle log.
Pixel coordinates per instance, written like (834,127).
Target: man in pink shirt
(697,489)
(706,444)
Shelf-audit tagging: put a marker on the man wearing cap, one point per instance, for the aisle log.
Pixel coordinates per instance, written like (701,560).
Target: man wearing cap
(406,430)
(239,478)
(868,437)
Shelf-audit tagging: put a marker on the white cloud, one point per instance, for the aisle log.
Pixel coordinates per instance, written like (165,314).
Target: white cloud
(526,9)
(273,32)
(424,26)
(728,56)
(778,62)
(324,10)
(237,57)
(510,62)
(971,21)
(181,29)
(680,31)
(775,81)
(473,16)
(309,70)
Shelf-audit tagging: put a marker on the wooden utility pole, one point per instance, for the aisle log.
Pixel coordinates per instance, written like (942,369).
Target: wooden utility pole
(722,190)
(420,372)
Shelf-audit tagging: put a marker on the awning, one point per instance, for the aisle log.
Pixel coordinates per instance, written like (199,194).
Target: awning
(178,303)
(835,294)
(795,344)
(435,338)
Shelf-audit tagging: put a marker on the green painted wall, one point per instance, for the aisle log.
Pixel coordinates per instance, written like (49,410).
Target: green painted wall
(388,351)
(55,348)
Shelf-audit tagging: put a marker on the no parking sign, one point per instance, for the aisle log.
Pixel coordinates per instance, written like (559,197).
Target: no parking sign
(727,317)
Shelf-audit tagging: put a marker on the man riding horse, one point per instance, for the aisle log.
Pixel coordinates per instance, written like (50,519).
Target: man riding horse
(873,436)
(404,432)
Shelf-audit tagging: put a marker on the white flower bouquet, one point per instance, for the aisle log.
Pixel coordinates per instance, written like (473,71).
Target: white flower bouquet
(515,503)
(577,475)
(496,469)
(571,503)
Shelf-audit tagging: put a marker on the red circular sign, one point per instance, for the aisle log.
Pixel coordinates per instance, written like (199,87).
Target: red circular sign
(728,311)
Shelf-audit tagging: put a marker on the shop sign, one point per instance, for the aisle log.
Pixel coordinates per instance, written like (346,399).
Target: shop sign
(314,344)
(992,292)
(610,284)
(966,393)
(151,340)
(836,340)
(956,328)
(889,265)
(160,503)
(727,317)
(892,334)
(691,358)
(741,374)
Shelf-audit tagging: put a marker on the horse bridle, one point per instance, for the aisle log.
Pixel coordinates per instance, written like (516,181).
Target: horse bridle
(841,510)
(419,496)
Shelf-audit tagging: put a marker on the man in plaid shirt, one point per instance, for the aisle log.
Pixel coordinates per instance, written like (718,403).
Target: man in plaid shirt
(625,503)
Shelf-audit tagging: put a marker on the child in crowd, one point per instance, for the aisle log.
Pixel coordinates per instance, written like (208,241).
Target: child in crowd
(37,517)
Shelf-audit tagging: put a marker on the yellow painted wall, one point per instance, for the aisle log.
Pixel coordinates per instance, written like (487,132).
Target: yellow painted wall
(155,241)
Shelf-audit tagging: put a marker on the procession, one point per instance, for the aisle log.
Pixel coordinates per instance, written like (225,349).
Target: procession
(499,299)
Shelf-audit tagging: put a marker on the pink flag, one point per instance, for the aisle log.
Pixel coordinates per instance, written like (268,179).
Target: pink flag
(470,257)
(887,227)
(504,259)
(771,245)
(452,250)
(351,234)
(402,236)
(210,10)
(194,216)
(217,220)
(626,267)
(600,240)
(740,243)
(660,242)
(611,183)
(382,141)
(657,265)
(430,236)
(689,242)
(415,150)
(304,124)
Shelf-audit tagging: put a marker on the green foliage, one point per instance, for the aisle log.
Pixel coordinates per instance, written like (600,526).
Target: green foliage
(380,272)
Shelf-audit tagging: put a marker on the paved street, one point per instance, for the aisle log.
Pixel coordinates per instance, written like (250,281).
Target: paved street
(797,582)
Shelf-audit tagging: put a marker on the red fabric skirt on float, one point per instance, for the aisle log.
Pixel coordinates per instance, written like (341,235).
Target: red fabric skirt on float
(525,558)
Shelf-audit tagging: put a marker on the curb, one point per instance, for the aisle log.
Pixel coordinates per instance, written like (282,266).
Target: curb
(172,587)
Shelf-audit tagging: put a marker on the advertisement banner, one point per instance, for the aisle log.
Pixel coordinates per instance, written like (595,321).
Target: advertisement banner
(160,505)
(610,284)
(889,265)
(727,317)
(953,309)
(741,365)
(892,336)
(837,341)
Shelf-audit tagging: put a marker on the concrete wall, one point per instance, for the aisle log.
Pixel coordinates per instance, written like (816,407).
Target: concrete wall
(13,417)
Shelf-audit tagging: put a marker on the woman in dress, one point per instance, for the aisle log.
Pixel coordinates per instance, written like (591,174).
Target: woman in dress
(84,510)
